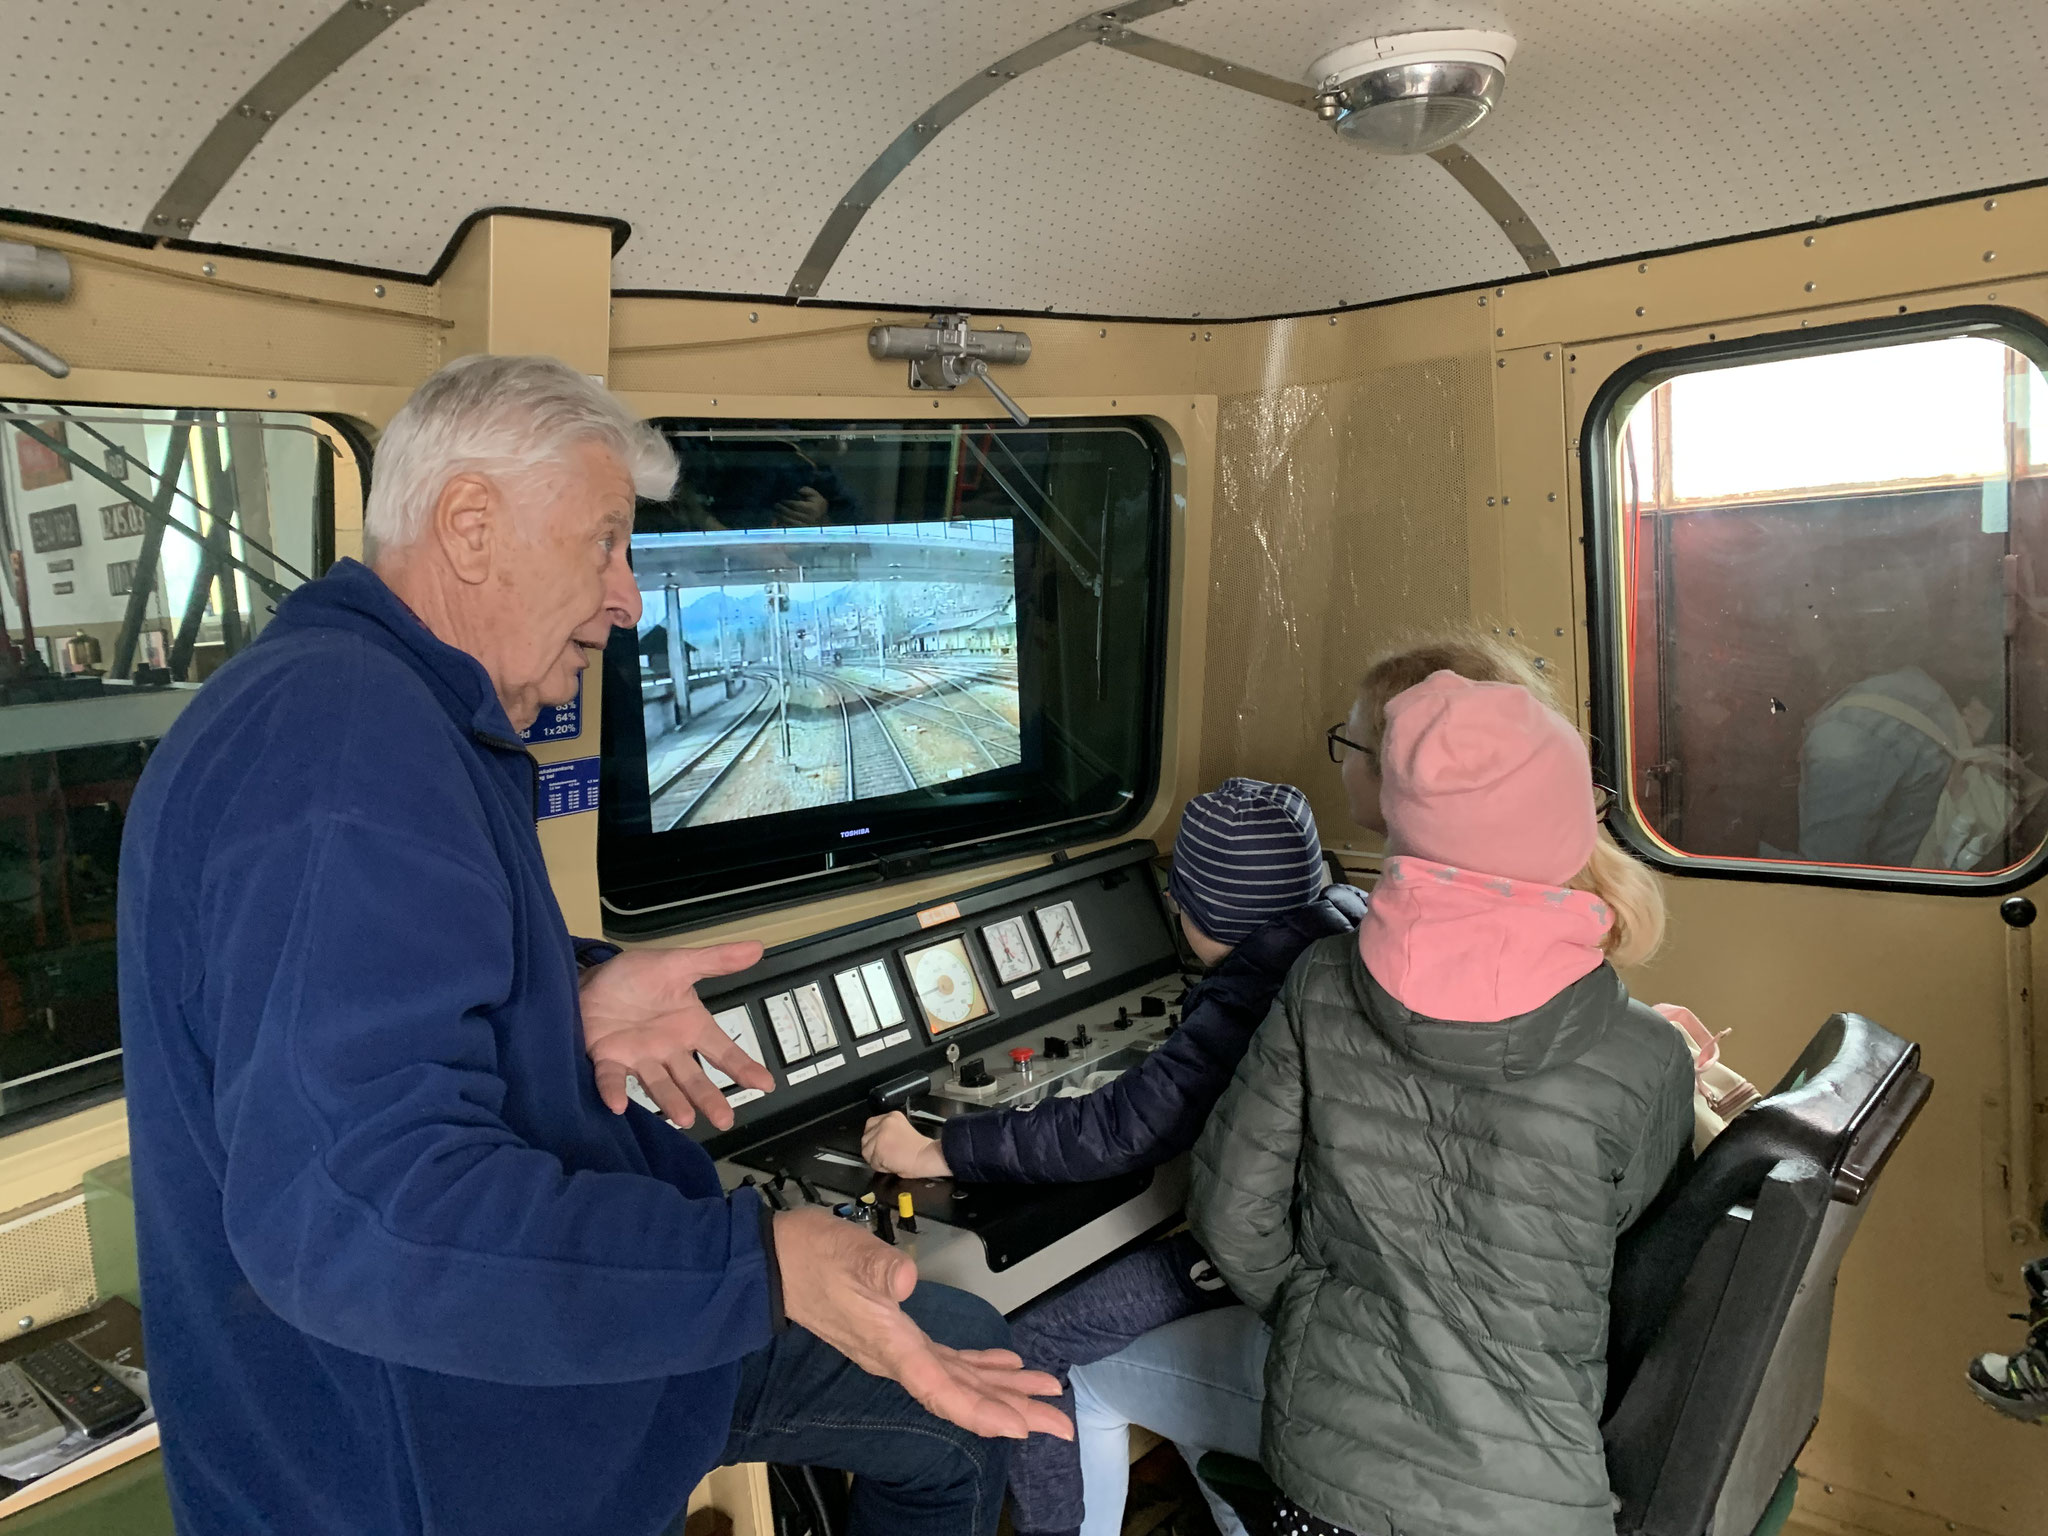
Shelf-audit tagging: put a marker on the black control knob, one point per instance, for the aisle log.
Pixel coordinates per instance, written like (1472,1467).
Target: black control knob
(1081,1040)
(1152,1007)
(2017,911)
(1122,1019)
(974,1073)
(1056,1049)
(1173,1021)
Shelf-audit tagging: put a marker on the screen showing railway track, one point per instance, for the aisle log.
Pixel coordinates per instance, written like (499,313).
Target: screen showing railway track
(864,649)
(818,666)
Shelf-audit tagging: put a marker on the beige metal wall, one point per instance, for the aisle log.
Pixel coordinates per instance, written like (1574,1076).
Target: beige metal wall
(1337,479)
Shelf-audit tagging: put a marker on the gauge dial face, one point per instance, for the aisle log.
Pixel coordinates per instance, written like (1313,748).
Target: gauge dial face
(946,986)
(1064,938)
(1009,948)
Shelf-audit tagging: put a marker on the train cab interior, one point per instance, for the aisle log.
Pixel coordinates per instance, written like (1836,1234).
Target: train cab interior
(1069,406)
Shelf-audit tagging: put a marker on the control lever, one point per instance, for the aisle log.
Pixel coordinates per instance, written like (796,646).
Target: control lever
(974,1074)
(1151,1006)
(906,1212)
(1122,1019)
(772,1190)
(810,1190)
(1081,1040)
(885,1226)
(898,1092)
(1056,1049)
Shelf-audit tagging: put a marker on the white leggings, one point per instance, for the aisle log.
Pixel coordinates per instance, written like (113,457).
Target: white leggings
(1200,1382)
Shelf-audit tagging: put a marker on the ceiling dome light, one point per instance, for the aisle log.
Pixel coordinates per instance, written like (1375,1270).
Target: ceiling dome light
(1413,92)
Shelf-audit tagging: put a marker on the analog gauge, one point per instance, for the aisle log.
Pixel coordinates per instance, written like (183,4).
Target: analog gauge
(1009,949)
(788,1026)
(946,985)
(1061,926)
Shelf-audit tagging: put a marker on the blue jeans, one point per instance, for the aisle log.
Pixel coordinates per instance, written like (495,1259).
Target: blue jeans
(802,1403)
(1200,1382)
(1125,1299)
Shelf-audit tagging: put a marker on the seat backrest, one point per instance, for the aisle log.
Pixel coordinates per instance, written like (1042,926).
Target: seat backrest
(1727,1285)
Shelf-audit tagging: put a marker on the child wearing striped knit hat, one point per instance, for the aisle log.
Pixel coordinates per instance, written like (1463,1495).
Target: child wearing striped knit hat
(1247,884)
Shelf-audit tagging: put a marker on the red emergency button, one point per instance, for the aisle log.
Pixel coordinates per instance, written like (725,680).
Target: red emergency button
(1022,1056)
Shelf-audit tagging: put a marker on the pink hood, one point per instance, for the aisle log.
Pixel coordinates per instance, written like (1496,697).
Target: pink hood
(1456,945)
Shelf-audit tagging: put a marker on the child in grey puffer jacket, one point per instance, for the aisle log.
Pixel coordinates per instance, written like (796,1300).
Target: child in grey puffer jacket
(1419,1173)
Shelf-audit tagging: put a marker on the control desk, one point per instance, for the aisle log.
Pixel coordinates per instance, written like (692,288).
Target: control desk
(1049,983)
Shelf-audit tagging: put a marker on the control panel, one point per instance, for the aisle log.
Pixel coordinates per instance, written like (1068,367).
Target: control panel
(829,1016)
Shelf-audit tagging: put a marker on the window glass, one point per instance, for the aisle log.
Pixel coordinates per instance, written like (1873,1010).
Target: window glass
(868,644)
(1833,616)
(139,549)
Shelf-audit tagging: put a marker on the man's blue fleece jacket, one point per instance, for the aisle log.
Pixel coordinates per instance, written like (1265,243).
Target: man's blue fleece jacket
(402,1271)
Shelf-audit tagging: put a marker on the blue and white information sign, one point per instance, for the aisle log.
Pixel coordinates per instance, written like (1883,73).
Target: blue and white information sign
(568,788)
(557,722)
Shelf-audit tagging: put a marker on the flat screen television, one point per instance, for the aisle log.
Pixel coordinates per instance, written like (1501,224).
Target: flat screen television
(867,650)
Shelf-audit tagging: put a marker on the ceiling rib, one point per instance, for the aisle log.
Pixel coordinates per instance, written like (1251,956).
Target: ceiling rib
(1106,28)
(316,56)
(934,120)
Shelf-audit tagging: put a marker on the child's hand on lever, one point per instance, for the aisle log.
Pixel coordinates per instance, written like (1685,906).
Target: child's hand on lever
(891,1144)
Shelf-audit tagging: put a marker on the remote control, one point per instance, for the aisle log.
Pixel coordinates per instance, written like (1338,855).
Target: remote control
(83,1390)
(27,1426)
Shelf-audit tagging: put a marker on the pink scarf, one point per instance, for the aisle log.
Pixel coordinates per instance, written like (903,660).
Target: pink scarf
(1457,945)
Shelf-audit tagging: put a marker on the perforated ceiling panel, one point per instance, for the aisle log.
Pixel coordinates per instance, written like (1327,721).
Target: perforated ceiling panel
(1656,123)
(723,133)
(727,133)
(1103,182)
(102,100)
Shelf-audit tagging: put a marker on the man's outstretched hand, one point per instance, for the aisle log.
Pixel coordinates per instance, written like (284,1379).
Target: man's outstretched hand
(641,1016)
(848,1287)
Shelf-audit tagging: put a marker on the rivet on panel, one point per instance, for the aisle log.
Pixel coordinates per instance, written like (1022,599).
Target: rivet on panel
(1482,301)
(1548,356)
(714,399)
(271,393)
(1991,255)
(1809,239)
(1500,362)
(1500,330)
(1639,346)
(1642,266)
(24,1323)
(1208,335)
(1992,295)
(246,110)
(1500,293)
(753,316)
(1512,630)
(163,218)
(1811,286)
(1552,497)
(1333,319)
(378,290)
(1508,501)
(1902,309)
(206,270)
(184,223)
(1103,332)
(1490,501)
(1641,311)
(1827,1487)
(1990,203)
(1560,633)
(1191,336)
(1112,405)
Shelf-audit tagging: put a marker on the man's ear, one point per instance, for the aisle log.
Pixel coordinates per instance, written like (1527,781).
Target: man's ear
(465,526)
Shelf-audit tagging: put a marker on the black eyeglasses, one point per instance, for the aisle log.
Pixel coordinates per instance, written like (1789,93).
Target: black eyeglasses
(1334,738)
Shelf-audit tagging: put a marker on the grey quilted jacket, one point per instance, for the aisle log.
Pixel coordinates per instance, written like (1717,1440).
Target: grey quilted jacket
(1426,1213)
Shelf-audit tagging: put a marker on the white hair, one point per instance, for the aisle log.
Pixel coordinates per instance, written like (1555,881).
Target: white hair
(503,417)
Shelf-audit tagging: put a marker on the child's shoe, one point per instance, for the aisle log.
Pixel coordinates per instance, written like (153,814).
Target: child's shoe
(2017,1385)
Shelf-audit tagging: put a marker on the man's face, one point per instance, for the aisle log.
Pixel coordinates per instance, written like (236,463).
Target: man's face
(563,581)
(1361,773)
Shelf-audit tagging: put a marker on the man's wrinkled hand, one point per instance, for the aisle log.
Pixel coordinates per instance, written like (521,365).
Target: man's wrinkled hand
(848,1287)
(891,1144)
(641,1017)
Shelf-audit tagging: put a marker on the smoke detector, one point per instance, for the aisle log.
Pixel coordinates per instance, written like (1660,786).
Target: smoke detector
(1412,92)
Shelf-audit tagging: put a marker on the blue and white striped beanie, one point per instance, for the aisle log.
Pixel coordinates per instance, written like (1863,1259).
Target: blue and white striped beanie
(1247,851)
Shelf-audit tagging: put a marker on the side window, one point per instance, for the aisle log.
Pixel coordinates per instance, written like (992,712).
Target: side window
(139,549)
(1824,575)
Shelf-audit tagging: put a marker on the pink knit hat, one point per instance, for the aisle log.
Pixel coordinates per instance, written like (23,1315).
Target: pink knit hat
(1488,778)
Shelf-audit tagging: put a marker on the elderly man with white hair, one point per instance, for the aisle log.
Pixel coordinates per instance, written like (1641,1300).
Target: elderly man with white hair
(409,1264)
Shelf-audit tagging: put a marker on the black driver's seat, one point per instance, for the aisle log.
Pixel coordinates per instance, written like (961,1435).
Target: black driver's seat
(1723,1295)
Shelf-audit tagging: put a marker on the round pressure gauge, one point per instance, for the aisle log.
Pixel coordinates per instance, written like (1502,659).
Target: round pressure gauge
(945,985)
